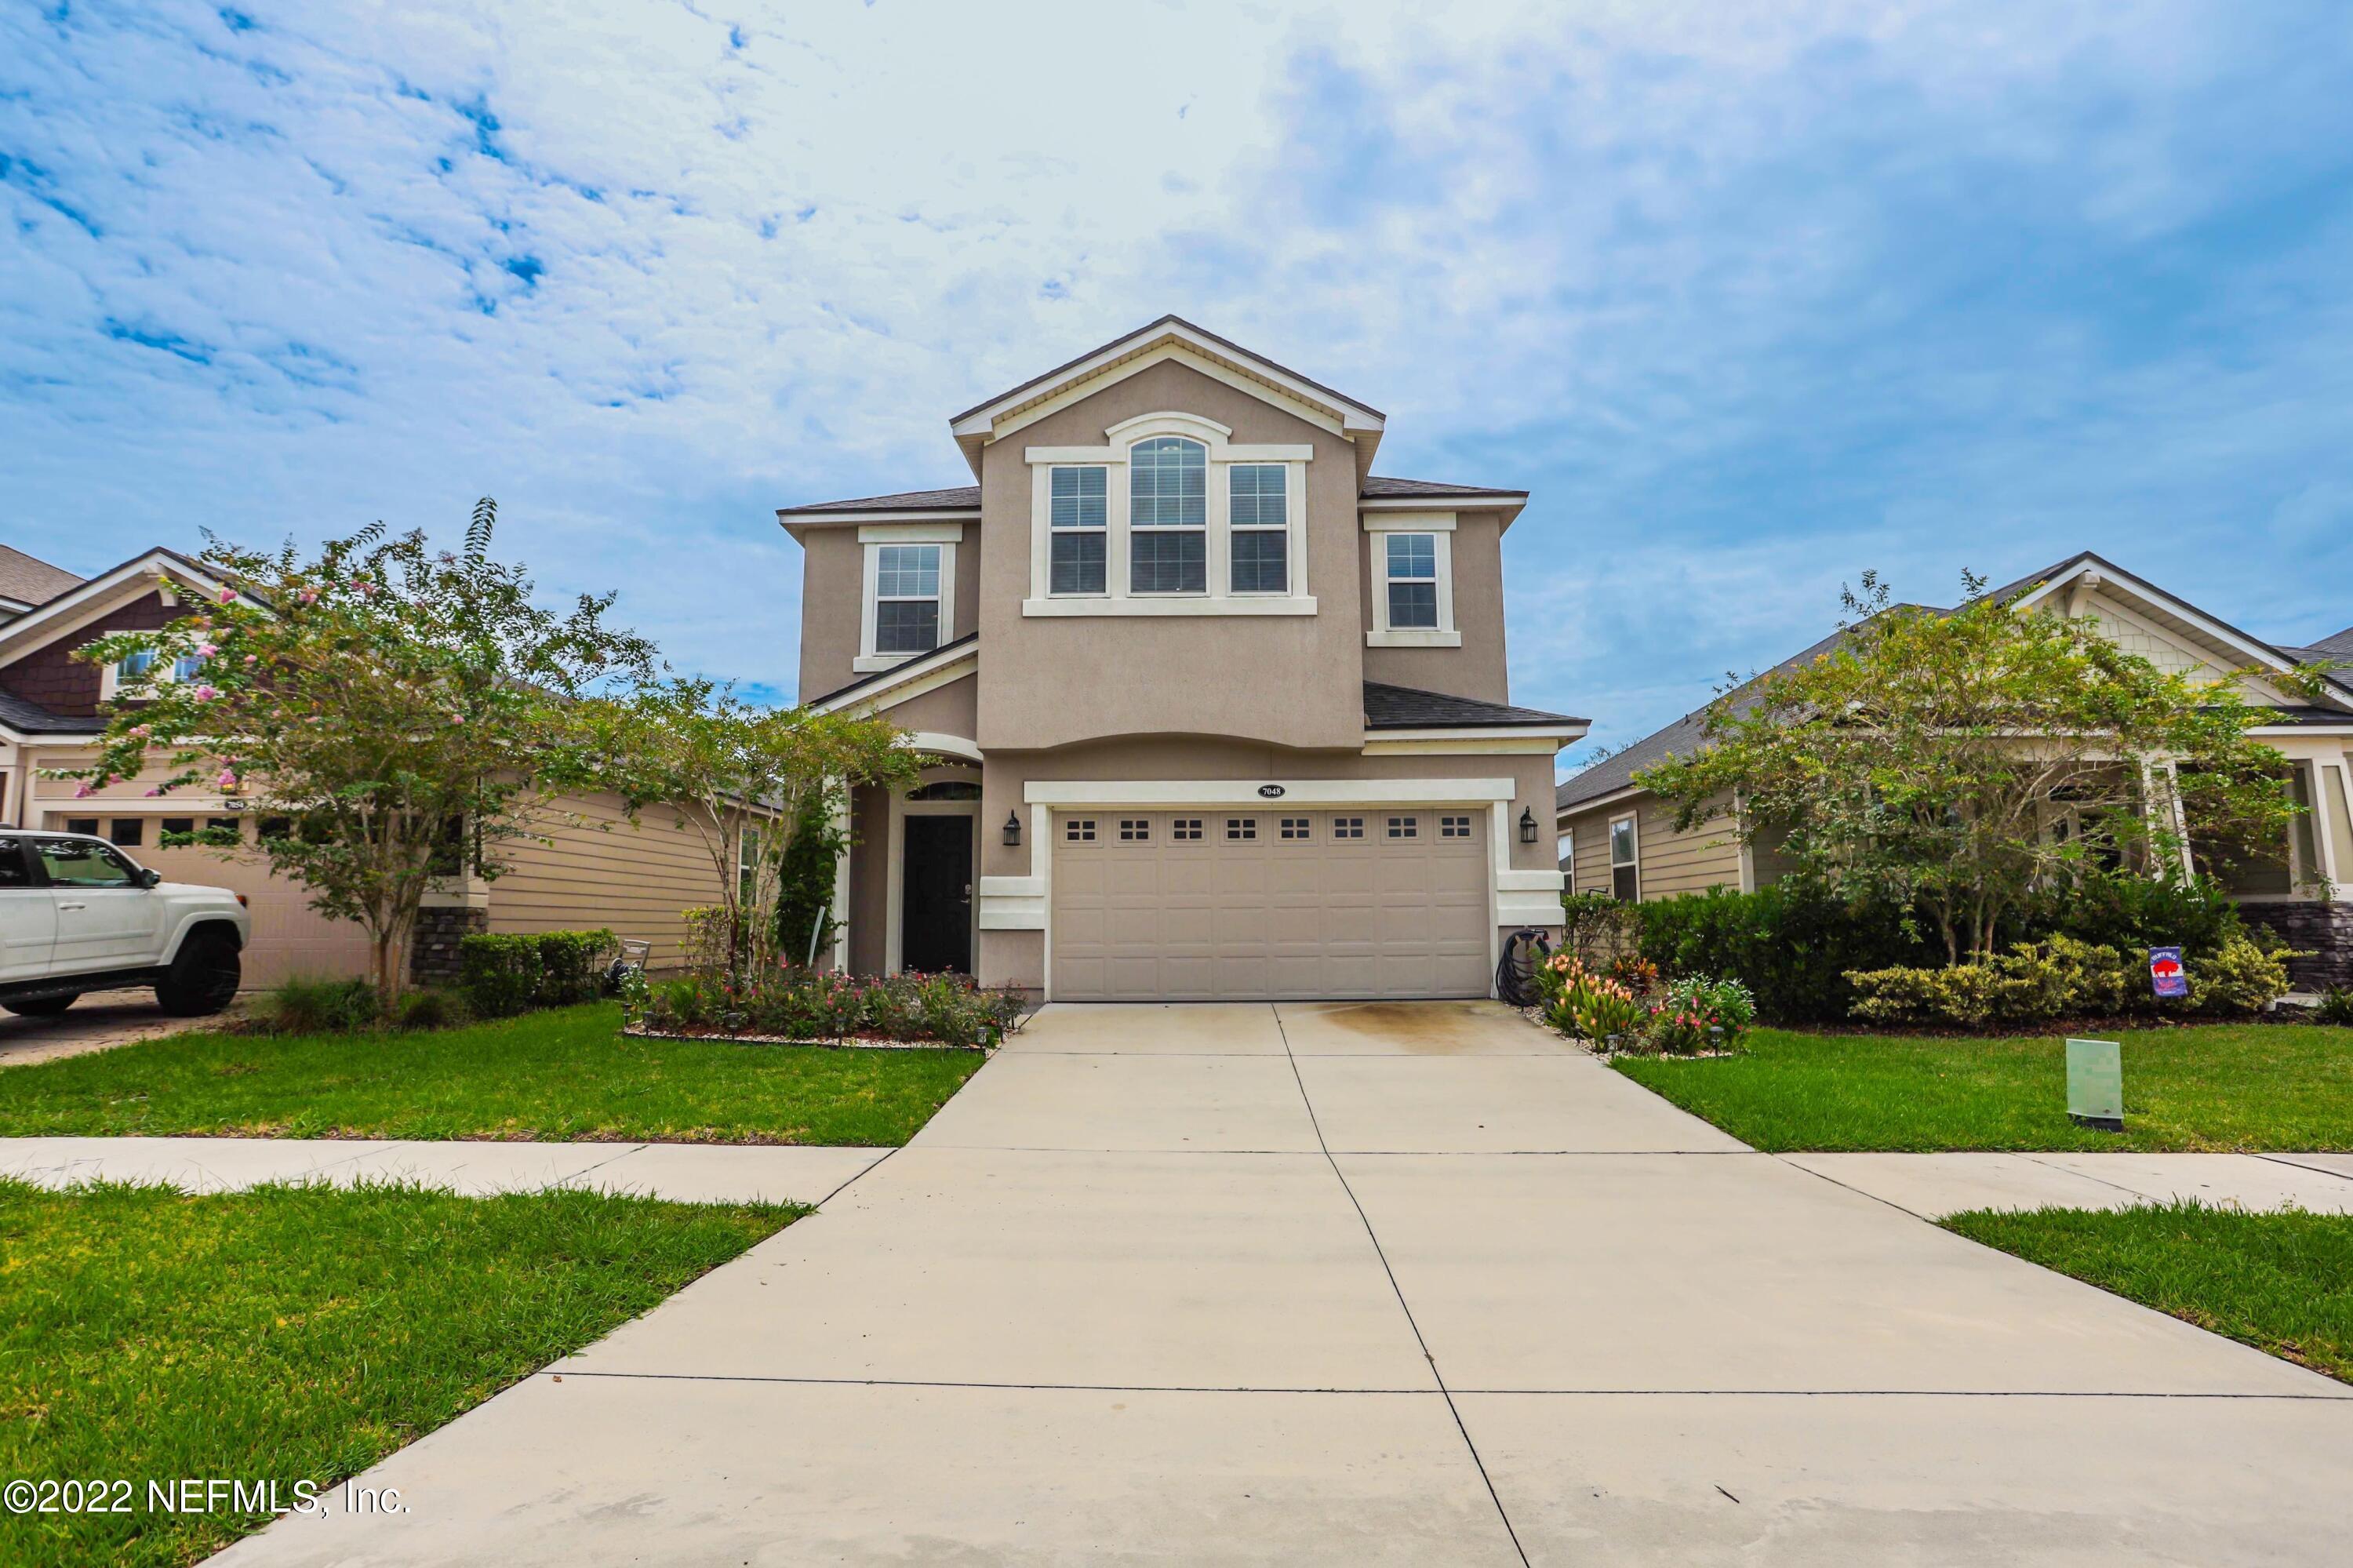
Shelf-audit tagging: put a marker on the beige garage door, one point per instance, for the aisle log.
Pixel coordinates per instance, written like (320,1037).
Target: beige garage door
(289,937)
(1246,905)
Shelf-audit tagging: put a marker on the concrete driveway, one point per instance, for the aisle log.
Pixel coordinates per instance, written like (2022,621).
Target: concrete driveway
(1360,1285)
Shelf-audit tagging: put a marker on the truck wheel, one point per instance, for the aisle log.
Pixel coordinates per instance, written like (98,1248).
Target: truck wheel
(204,977)
(42,1006)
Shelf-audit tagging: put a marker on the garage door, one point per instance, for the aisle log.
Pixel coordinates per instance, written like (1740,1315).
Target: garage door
(1238,906)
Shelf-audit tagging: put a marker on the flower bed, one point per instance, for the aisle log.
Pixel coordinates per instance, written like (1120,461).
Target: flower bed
(799,1006)
(1627,1010)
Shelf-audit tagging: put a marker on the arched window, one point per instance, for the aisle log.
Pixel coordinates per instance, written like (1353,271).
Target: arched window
(1168,516)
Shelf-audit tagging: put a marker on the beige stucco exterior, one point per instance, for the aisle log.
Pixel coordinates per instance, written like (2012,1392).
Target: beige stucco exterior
(1160,706)
(1287,679)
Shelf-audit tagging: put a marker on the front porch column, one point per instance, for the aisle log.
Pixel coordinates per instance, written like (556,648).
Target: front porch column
(837,956)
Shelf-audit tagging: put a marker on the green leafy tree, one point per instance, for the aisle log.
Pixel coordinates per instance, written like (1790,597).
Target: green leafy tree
(393,714)
(1961,760)
(749,782)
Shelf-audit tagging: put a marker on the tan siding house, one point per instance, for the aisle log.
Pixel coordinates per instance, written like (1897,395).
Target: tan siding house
(594,870)
(2306,893)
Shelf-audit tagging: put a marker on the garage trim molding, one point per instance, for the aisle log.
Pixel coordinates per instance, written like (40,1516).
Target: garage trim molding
(1515,896)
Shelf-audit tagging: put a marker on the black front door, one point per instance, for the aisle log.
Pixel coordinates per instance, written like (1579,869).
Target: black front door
(935,895)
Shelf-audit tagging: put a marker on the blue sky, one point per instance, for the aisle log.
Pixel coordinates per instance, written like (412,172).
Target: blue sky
(1751,297)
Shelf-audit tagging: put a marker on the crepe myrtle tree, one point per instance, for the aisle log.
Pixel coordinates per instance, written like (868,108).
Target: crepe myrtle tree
(1960,759)
(392,714)
(746,781)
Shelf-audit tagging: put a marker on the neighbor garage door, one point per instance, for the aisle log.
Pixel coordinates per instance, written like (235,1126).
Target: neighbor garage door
(290,938)
(1225,905)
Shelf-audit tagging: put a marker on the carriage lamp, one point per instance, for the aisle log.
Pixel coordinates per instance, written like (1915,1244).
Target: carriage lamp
(1527,825)
(1012,829)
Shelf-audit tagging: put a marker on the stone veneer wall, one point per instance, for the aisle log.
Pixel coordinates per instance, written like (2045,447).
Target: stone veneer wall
(432,951)
(2326,930)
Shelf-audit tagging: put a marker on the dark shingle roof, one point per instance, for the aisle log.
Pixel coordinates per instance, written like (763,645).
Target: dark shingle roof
(30,581)
(961,498)
(1379,487)
(2339,646)
(966,497)
(1683,737)
(28,717)
(1406,707)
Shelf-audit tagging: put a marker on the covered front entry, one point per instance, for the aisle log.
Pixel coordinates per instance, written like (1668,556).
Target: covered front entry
(1230,903)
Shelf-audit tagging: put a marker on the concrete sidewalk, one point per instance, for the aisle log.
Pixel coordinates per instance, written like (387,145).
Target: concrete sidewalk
(1935,1185)
(689,1173)
(1322,1284)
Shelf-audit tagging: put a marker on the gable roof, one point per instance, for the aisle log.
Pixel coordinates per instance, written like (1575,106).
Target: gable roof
(1173,337)
(953,651)
(1409,707)
(28,580)
(1683,737)
(126,580)
(1615,772)
(1378,488)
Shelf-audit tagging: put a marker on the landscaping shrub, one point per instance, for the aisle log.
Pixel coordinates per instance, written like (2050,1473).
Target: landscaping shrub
(2136,913)
(2335,1007)
(1595,927)
(1695,1014)
(2240,977)
(1791,944)
(431,1010)
(512,972)
(2062,976)
(308,1005)
(797,1003)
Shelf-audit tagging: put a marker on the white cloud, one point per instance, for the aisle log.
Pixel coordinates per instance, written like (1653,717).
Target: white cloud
(1754,297)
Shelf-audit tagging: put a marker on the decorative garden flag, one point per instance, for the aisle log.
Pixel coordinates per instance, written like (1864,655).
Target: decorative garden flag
(2166,973)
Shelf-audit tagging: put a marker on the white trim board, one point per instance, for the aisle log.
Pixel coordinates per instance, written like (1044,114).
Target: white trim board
(1067,793)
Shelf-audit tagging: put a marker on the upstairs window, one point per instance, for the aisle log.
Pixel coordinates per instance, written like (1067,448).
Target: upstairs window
(1412,581)
(1168,516)
(187,666)
(1078,520)
(1261,519)
(133,665)
(907,599)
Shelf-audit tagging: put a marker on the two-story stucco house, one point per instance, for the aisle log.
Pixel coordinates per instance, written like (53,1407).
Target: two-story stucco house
(1208,709)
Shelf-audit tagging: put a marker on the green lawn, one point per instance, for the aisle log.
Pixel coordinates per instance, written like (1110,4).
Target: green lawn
(2282,1283)
(294,1333)
(2216,1087)
(566,1074)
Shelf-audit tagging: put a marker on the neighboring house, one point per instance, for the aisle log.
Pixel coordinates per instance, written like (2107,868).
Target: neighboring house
(587,869)
(1209,710)
(1616,837)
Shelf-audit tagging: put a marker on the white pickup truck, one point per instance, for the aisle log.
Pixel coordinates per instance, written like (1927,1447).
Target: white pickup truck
(77,915)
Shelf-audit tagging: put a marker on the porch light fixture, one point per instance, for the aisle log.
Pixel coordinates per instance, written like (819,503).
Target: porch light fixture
(1012,829)
(1527,825)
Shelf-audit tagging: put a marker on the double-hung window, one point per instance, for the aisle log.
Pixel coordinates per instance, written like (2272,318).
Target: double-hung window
(906,598)
(1260,520)
(1412,560)
(135,664)
(1078,530)
(1625,860)
(1168,516)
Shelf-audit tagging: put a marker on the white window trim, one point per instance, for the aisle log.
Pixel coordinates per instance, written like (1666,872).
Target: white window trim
(1633,821)
(1439,526)
(872,538)
(110,677)
(1223,452)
